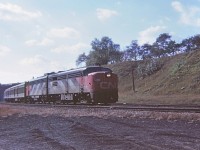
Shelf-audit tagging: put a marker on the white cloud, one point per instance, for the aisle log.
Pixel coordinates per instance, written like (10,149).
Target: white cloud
(53,36)
(105,14)
(37,66)
(4,50)
(55,66)
(13,12)
(66,32)
(72,49)
(177,6)
(46,42)
(43,42)
(188,15)
(31,43)
(10,77)
(39,63)
(149,35)
(37,59)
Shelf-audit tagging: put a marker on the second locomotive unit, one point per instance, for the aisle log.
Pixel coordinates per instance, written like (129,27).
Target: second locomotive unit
(93,84)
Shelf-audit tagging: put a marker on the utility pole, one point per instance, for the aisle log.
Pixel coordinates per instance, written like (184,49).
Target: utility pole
(133,79)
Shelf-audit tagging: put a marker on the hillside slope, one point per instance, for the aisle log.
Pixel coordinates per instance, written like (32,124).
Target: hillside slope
(177,82)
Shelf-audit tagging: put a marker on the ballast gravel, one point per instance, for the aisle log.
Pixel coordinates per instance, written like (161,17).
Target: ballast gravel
(41,128)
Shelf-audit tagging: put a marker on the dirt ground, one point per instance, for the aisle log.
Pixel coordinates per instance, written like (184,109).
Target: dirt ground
(23,128)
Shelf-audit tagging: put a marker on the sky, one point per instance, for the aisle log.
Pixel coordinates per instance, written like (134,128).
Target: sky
(40,36)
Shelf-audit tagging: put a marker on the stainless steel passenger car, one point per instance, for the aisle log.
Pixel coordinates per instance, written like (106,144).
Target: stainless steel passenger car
(15,93)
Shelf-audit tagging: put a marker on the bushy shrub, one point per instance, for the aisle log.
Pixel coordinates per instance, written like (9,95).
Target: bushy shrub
(149,67)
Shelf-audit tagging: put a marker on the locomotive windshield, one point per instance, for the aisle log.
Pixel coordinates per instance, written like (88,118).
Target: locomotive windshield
(95,69)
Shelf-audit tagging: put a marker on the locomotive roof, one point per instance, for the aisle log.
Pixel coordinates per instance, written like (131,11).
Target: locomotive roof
(84,70)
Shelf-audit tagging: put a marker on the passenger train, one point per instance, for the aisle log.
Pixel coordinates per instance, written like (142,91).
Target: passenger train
(94,84)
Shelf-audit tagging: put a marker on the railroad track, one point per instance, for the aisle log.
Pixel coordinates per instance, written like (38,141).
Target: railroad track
(162,109)
(121,106)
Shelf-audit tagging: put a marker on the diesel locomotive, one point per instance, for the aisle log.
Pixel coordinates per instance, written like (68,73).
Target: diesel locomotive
(94,84)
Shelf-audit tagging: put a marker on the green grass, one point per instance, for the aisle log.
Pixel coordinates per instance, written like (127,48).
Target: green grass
(177,82)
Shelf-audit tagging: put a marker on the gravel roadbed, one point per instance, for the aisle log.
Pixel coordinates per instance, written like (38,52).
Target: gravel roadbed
(53,128)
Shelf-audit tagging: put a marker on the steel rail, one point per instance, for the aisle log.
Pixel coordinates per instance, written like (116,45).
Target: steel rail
(156,108)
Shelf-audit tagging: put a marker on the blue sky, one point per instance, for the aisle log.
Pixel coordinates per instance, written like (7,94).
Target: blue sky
(39,36)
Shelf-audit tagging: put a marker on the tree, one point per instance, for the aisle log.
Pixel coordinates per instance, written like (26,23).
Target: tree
(160,47)
(190,44)
(81,58)
(145,51)
(116,56)
(103,51)
(106,50)
(196,41)
(187,45)
(94,58)
(132,51)
(173,47)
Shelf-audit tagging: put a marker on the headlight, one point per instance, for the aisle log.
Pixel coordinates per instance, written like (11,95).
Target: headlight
(108,75)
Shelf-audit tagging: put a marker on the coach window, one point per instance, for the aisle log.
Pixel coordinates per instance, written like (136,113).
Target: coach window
(21,90)
(54,78)
(12,92)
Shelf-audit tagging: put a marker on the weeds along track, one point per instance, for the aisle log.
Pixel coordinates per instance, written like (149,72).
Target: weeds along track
(119,106)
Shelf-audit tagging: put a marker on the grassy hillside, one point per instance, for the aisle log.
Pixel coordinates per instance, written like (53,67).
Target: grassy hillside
(176,82)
